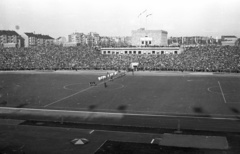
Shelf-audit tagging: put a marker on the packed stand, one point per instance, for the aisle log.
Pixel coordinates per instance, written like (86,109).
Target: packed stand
(207,58)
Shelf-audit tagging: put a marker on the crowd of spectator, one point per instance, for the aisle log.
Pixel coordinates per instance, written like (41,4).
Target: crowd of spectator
(205,58)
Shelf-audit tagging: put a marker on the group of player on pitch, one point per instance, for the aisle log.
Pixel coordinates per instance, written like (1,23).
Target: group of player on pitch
(108,76)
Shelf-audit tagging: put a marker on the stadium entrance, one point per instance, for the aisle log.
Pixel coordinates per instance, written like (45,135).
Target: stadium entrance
(133,66)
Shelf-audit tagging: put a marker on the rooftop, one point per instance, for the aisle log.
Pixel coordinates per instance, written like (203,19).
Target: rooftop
(39,36)
(8,32)
(229,36)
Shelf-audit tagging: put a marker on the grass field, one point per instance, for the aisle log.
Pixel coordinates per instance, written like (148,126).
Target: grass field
(52,108)
(154,93)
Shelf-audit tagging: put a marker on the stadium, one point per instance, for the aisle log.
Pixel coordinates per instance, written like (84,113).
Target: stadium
(187,101)
(120,103)
(147,93)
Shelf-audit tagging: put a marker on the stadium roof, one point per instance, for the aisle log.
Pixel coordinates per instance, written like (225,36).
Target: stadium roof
(8,32)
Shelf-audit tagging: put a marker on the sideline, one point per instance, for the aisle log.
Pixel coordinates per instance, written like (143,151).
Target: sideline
(79,72)
(137,73)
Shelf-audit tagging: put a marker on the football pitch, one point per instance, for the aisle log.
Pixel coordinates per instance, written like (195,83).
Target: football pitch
(155,93)
(142,94)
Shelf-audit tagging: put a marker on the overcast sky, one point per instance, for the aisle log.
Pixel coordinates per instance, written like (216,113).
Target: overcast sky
(118,17)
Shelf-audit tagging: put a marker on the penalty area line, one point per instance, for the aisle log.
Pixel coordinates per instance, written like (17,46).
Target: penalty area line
(70,95)
(91,132)
(73,94)
(152,141)
(222,92)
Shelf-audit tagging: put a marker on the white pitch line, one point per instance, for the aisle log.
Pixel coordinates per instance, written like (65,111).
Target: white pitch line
(152,141)
(124,114)
(65,87)
(67,97)
(91,132)
(222,92)
(76,94)
(115,131)
(146,112)
(71,95)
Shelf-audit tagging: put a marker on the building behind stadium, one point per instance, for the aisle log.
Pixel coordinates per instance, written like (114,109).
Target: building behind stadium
(60,40)
(32,39)
(76,39)
(193,41)
(10,38)
(226,40)
(229,40)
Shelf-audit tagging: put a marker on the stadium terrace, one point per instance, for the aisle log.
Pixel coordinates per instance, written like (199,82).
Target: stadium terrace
(203,58)
(142,50)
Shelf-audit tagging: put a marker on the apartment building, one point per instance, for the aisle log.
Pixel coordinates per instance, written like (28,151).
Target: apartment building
(32,39)
(10,38)
(77,38)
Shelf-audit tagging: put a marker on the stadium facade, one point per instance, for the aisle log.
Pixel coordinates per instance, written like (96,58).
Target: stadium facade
(142,50)
(145,42)
(142,37)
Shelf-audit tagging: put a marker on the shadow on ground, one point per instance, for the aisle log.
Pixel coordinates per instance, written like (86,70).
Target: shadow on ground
(237,112)
(92,107)
(3,103)
(22,105)
(200,112)
(122,108)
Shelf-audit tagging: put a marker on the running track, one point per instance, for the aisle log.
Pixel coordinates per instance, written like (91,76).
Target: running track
(223,124)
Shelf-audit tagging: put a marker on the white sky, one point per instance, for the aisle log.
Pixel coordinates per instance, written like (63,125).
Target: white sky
(119,17)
